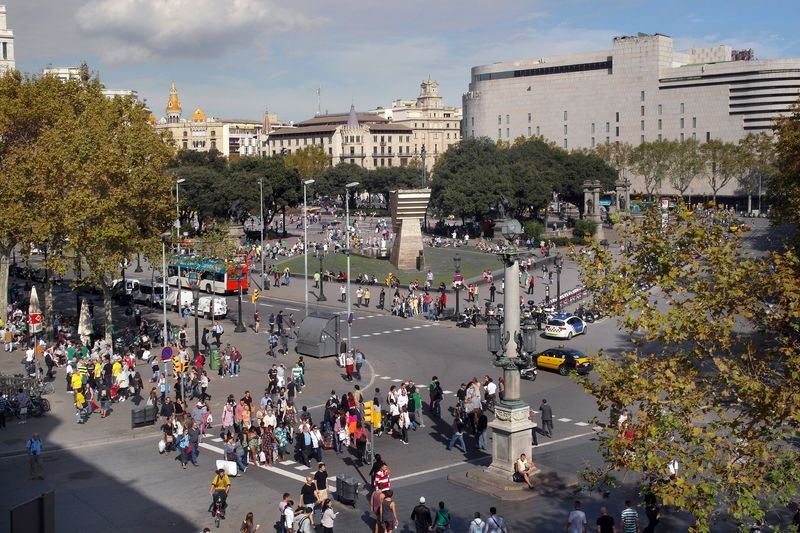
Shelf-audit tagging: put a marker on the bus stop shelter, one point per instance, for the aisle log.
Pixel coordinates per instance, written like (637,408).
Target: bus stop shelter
(319,335)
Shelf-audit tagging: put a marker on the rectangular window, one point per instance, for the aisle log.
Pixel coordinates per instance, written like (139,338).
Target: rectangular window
(565,144)
(608,127)
(592,127)
(608,140)
(565,115)
(499,133)
(641,124)
(5,50)
(683,108)
(529,131)
(681,122)
(473,134)
(529,118)
(659,124)
(565,129)
(708,136)
(537,131)
(592,142)
(641,139)
(508,134)
(642,111)
(642,96)
(374,149)
(617,116)
(473,120)
(375,138)
(659,109)
(681,137)
(694,135)
(694,122)
(499,119)
(617,131)
(508,119)
(659,136)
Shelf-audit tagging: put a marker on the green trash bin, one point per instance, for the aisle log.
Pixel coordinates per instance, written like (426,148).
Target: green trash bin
(214,363)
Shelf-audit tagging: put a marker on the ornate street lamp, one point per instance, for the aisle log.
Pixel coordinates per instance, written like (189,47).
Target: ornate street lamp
(320,253)
(559,264)
(240,324)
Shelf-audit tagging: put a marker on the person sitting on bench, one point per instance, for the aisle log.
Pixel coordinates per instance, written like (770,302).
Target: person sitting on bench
(523,470)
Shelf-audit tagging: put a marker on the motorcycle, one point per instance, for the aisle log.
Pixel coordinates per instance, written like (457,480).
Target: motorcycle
(529,373)
(464,320)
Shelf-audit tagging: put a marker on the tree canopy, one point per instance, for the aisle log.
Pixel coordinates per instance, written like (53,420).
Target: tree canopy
(712,375)
(784,184)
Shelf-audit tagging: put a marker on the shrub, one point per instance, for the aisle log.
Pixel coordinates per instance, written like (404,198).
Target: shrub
(584,228)
(534,229)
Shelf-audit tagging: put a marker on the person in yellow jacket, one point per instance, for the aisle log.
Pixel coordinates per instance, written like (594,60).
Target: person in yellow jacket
(77,381)
(116,368)
(80,404)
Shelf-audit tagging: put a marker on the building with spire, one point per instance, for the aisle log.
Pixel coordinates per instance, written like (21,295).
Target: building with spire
(364,139)
(231,136)
(6,43)
(434,125)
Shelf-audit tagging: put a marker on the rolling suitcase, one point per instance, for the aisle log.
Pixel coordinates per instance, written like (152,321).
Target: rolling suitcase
(327,440)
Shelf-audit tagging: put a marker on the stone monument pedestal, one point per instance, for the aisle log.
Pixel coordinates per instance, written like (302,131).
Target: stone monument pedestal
(511,436)
(407,244)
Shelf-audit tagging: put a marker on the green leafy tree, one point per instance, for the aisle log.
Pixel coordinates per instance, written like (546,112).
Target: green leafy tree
(684,164)
(757,158)
(309,161)
(619,156)
(383,180)
(332,182)
(651,161)
(711,375)
(578,168)
(784,185)
(722,164)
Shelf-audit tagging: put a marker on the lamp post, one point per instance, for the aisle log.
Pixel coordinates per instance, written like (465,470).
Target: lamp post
(347,251)
(264,283)
(423,152)
(164,237)
(305,240)
(511,349)
(457,281)
(240,324)
(178,206)
(196,295)
(559,263)
(320,253)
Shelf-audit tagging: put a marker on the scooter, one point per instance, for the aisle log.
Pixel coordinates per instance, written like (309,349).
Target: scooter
(529,373)
(464,320)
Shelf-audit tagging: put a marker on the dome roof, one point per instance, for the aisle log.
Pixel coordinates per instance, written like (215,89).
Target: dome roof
(152,119)
(198,115)
(174,105)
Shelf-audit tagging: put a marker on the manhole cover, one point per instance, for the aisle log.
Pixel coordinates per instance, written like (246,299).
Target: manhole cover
(81,474)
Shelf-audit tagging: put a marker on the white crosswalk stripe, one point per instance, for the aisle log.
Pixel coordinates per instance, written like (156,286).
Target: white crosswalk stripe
(565,420)
(301,467)
(581,424)
(448,392)
(287,463)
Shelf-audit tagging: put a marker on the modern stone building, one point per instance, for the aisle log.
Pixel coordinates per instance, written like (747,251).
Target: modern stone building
(364,139)
(434,125)
(640,90)
(6,43)
(232,137)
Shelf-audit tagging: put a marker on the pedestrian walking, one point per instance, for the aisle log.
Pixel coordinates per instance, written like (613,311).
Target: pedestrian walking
(495,523)
(349,363)
(359,296)
(441,522)
(576,521)
(477,525)
(547,418)
(458,433)
(382,298)
(34,448)
(248,526)
(256,320)
(328,516)
(605,522)
(630,519)
(359,361)
(218,330)
(367,297)
(435,394)
(421,516)
(342,293)
(492,291)
(388,512)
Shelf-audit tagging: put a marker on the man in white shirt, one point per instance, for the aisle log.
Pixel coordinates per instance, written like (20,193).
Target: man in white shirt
(576,522)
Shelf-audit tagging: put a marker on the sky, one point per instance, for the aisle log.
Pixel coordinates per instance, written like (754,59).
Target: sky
(236,58)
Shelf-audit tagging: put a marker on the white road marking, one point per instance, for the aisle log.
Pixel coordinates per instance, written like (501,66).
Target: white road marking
(356,337)
(548,443)
(290,475)
(398,330)
(407,329)
(565,420)
(397,380)
(301,467)
(448,392)
(376,334)
(478,460)
(216,439)
(387,331)
(581,423)
(266,305)
(385,377)
(366,335)
(287,463)
(291,308)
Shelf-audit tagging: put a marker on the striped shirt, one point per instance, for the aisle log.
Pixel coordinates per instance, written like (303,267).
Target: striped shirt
(630,520)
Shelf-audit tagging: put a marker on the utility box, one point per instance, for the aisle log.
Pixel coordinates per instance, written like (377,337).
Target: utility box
(319,335)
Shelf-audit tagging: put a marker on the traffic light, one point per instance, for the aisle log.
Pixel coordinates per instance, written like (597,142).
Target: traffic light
(256,294)
(368,412)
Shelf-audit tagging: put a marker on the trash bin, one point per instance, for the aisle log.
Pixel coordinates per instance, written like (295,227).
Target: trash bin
(214,361)
(143,415)
(346,489)
(318,335)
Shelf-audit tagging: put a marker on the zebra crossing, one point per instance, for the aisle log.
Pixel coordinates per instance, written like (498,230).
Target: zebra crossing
(391,331)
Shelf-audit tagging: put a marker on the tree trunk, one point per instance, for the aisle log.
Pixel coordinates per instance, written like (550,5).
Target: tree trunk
(48,308)
(109,321)
(5,261)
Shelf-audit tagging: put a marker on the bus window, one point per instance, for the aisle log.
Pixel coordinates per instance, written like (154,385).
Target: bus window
(172,271)
(220,277)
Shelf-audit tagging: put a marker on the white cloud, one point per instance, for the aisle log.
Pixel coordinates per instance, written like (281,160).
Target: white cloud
(151,30)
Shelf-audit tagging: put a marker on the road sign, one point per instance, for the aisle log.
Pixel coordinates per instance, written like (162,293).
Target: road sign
(256,294)
(166,353)
(193,279)
(36,319)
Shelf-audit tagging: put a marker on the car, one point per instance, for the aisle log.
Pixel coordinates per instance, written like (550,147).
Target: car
(564,326)
(563,360)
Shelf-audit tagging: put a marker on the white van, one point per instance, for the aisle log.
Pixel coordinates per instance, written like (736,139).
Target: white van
(205,304)
(172,299)
(151,295)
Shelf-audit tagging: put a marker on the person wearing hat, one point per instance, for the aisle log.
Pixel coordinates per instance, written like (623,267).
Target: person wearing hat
(421,516)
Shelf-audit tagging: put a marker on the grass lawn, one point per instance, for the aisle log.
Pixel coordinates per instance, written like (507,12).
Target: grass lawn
(438,260)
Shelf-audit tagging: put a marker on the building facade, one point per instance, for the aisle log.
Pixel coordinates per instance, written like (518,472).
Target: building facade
(640,90)
(232,137)
(7,61)
(364,139)
(434,125)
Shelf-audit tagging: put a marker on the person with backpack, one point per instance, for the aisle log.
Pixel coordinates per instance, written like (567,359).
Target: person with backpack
(436,394)
(441,522)
(218,330)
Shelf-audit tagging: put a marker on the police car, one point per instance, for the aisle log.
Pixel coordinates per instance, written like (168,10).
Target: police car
(564,326)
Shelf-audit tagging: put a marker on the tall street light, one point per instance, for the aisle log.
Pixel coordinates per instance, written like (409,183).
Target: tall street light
(347,251)
(164,238)
(559,264)
(320,253)
(264,284)
(305,239)
(178,206)
(457,280)
(239,324)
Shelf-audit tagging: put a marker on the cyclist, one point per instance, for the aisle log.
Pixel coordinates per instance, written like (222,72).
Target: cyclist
(220,487)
